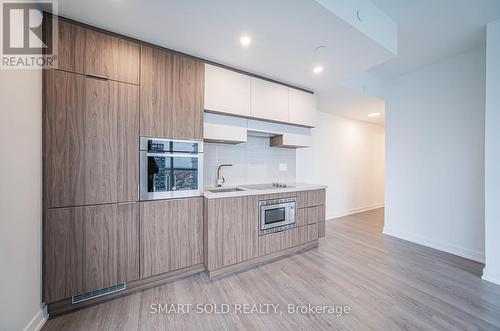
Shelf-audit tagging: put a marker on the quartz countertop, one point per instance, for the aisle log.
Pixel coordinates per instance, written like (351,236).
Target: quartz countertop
(247,190)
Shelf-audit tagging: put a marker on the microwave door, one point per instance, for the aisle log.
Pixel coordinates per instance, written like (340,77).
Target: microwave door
(275,215)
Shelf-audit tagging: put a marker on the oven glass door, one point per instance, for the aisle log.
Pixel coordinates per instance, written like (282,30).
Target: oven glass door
(172,173)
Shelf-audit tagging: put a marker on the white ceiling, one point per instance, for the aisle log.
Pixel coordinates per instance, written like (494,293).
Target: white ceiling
(432,30)
(429,31)
(284,34)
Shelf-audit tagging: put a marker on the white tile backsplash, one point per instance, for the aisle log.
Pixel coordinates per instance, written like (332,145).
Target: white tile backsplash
(253,162)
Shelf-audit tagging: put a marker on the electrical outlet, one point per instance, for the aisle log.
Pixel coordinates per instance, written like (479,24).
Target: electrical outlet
(283,167)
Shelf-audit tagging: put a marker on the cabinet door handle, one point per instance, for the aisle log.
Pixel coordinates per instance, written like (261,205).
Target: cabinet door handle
(126,203)
(97,76)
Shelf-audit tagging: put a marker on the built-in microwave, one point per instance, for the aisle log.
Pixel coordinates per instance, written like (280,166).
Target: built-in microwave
(276,215)
(170,168)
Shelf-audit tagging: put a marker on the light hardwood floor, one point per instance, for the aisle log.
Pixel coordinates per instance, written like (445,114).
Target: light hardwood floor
(389,284)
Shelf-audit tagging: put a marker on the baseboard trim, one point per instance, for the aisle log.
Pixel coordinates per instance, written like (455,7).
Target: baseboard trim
(491,277)
(356,210)
(38,320)
(439,245)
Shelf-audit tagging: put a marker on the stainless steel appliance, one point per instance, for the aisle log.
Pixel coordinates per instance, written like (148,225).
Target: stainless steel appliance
(170,168)
(276,215)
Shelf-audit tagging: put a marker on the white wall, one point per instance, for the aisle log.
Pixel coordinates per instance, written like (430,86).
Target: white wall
(348,156)
(435,156)
(253,162)
(492,179)
(20,197)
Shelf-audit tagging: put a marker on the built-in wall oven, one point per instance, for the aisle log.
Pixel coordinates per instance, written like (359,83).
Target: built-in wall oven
(170,168)
(276,215)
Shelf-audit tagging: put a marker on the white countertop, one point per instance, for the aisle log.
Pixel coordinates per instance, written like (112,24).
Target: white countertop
(243,191)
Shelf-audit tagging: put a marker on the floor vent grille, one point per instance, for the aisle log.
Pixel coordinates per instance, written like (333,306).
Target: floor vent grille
(98,293)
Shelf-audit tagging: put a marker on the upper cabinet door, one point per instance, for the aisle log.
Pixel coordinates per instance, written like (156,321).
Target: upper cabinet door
(90,137)
(156,92)
(171,95)
(111,57)
(188,82)
(227,91)
(269,100)
(70,43)
(302,108)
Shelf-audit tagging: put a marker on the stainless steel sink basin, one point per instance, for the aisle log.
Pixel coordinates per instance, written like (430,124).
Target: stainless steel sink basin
(225,189)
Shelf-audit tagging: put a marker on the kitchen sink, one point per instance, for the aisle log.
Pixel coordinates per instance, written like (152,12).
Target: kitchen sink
(225,189)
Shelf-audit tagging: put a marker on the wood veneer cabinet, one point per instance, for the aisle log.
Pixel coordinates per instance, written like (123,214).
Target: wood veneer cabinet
(171,235)
(172,94)
(231,229)
(87,51)
(87,248)
(90,140)
(111,57)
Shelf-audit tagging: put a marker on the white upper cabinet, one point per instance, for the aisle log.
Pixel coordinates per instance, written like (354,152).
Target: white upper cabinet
(302,110)
(227,91)
(269,100)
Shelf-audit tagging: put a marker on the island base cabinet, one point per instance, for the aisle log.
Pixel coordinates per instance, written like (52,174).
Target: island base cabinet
(88,248)
(171,235)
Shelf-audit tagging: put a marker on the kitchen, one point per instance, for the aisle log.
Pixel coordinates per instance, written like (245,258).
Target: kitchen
(215,165)
(125,141)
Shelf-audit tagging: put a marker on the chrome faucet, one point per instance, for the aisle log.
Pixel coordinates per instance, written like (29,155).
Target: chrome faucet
(220,179)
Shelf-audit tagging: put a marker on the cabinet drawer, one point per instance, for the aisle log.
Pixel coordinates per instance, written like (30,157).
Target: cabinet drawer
(171,235)
(274,242)
(87,248)
(312,232)
(310,215)
(310,198)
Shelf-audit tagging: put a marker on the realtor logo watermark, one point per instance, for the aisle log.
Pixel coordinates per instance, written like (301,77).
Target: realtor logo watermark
(23,42)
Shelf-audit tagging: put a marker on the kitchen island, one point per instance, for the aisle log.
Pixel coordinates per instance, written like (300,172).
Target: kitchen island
(236,235)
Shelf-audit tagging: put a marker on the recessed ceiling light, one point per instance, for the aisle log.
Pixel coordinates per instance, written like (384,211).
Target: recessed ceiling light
(245,41)
(318,69)
(373,114)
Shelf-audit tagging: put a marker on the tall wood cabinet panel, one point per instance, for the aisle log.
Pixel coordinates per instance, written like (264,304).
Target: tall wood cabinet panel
(91,140)
(111,57)
(232,231)
(88,248)
(172,89)
(171,235)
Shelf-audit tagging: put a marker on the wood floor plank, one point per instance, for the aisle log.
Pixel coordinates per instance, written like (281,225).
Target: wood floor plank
(389,284)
